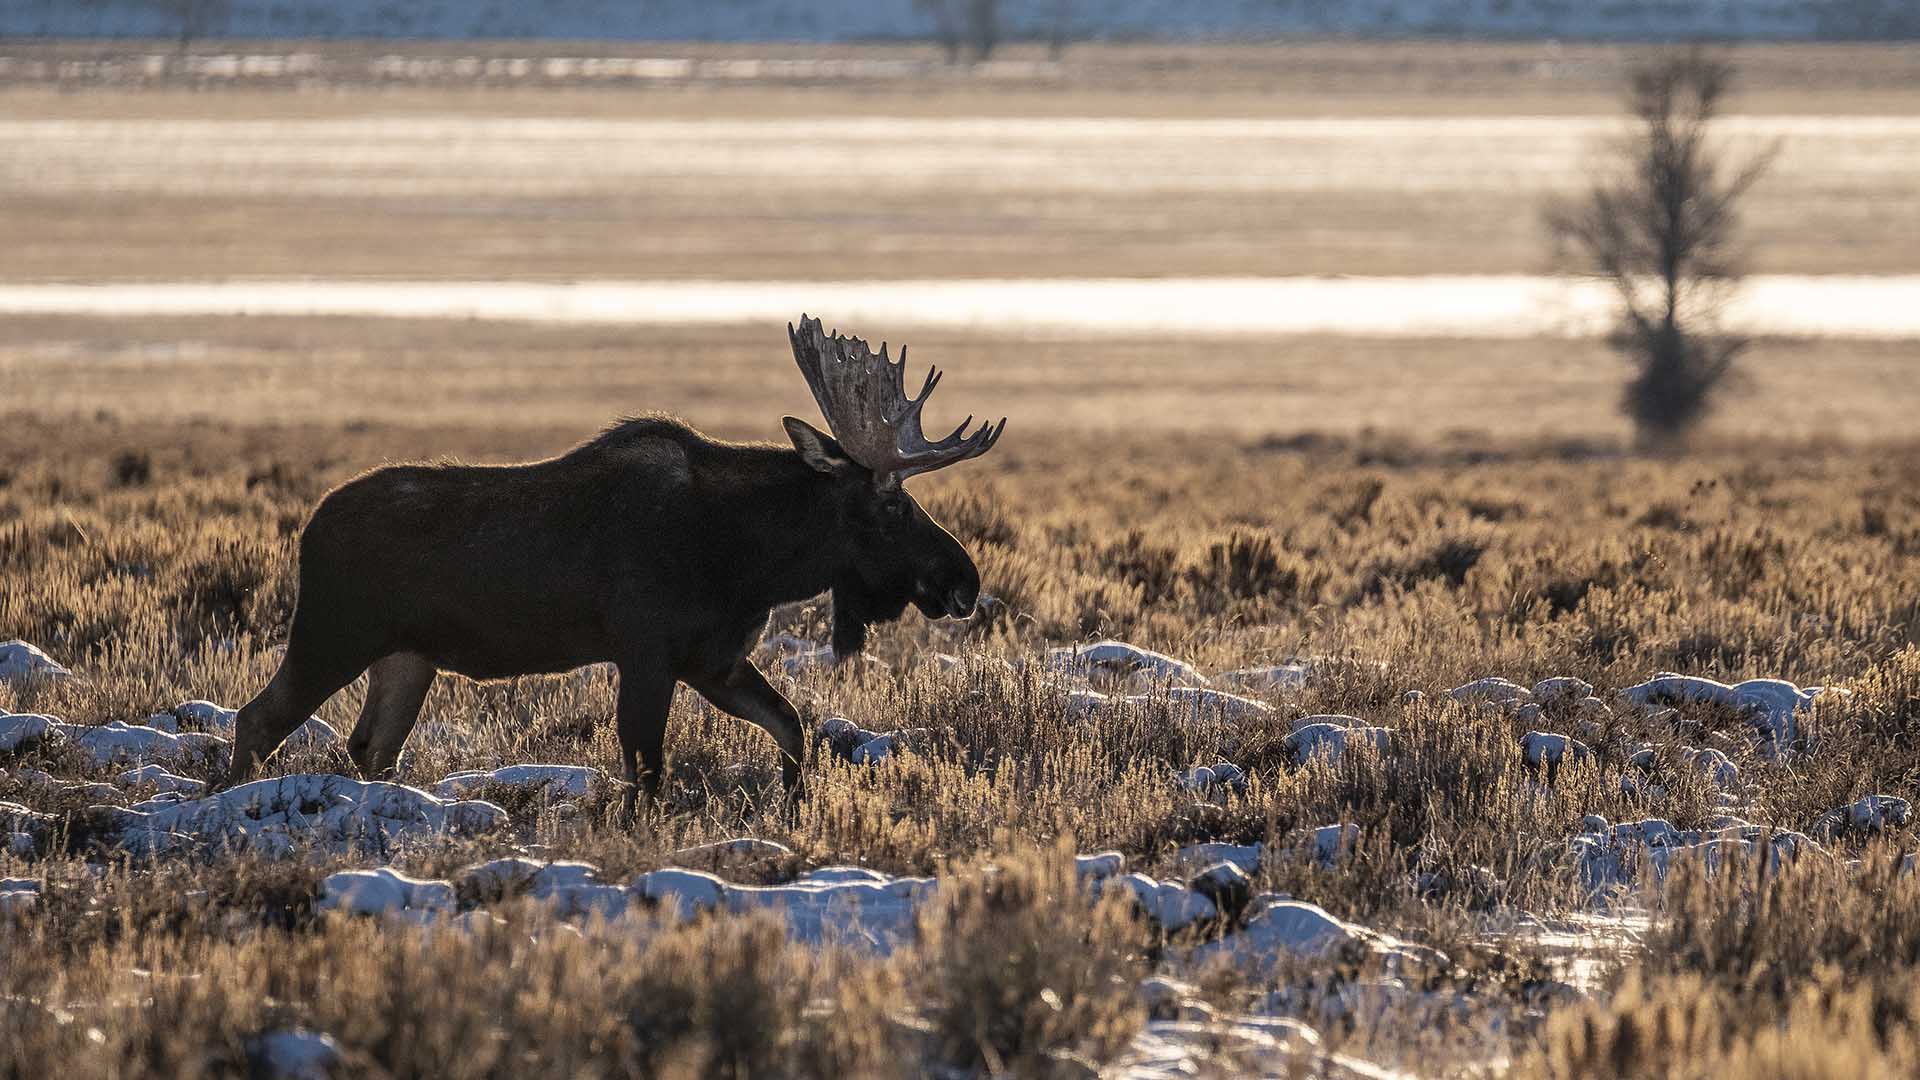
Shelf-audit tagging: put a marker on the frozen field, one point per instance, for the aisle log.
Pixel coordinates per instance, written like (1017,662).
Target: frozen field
(1430,306)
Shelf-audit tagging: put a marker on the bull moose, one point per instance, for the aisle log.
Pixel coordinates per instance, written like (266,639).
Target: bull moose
(651,547)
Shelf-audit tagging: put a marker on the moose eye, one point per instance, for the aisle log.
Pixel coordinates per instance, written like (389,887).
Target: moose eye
(894,508)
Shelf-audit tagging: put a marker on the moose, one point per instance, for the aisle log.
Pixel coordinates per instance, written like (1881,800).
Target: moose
(651,547)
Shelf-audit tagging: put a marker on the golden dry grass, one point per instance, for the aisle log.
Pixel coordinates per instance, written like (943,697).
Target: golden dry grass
(1410,566)
(538,388)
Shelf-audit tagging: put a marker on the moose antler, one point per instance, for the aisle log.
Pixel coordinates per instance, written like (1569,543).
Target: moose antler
(864,398)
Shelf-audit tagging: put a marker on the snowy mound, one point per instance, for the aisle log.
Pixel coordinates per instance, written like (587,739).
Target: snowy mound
(1276,677)
(1121,661)
(843,904)
(159,780)
(795,655)
(120,743)
(1294,927)
(1547,749)
(20,730)
(1326,740)
(384,891)
(275,815)
(23,662)
(854,743)
(1223,774)
(1609,858)
(1330,842)
(1771,704)
(1493,690)
(1187,704)
(1196,703)
(1868,815)
(220,720)
(294,1054)
(553,781)
(18,896)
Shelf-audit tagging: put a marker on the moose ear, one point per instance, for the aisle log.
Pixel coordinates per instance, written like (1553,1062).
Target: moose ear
(817,448)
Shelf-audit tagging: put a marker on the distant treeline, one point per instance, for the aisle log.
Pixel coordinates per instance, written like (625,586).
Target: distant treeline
(975,25)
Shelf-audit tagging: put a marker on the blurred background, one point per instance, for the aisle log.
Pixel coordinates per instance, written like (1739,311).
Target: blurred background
(1411,220)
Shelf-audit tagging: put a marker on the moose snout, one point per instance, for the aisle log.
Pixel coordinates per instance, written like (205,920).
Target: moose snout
(938,599)
(960,600)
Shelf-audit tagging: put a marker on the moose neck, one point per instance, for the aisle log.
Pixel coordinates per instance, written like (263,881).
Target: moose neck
(792,547)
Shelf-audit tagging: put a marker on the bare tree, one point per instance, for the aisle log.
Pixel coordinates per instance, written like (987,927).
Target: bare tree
(946,25)
(1661,232)
(196,18)
(983,26)
(1060,30)
(972,23)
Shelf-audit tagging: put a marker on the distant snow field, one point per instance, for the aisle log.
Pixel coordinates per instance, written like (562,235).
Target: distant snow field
(1470,306)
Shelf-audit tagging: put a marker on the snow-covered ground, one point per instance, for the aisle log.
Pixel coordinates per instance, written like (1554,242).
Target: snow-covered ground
(1438,305)
(1209,909)
(847,20)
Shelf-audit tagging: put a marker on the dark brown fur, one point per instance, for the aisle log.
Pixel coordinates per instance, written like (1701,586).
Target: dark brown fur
(651,547)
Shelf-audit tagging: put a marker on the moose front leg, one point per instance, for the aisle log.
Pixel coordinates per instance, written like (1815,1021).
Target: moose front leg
(745,693)
(646,695)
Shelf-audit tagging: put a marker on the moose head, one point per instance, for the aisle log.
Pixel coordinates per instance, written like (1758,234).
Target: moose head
(896,553)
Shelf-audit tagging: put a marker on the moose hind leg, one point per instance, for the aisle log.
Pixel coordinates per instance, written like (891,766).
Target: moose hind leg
(745,693)
(396,686)
(646,696)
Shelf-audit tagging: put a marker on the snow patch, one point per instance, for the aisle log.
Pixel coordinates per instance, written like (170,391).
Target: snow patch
(294,1054)
(1298,928)
(275,815)
(1199,1044)
(18,896)
(198,715)
(1561,690)
(1244,856)
(20,730)
(384,891)
(158,779)
(554,781)
(887,744)
(1274,678)
(1203,778)
(854,743)
(739,848)
(1492,690)
(1719,770)
(25,662)
(1865,816)
(1341,720)
(1169,904)
(1609,858)
(1332,841)
(1119,660)
(1771,704)
(118,742)
(1548,749)
(845,905)
(1328,741)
